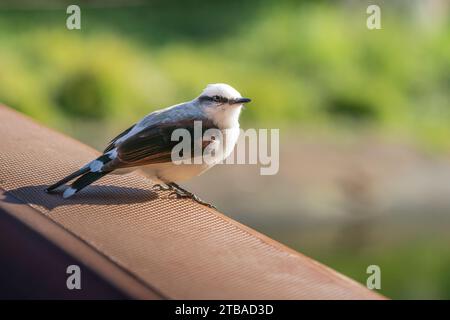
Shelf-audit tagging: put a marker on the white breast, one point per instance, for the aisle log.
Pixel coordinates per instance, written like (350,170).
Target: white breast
(170,172)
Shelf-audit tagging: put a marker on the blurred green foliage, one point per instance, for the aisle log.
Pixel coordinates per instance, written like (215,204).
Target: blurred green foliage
(403,275)
(309,65)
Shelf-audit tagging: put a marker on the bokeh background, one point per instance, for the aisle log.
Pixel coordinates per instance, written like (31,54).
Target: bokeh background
(364,115)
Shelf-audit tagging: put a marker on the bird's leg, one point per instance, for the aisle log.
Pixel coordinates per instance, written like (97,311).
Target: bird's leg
(183,193)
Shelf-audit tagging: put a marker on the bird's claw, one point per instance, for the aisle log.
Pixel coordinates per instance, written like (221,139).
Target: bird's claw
(175,194)
(160,187)
(189,195)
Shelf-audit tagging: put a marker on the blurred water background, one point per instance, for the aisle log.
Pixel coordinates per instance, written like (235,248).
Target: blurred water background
(364,115)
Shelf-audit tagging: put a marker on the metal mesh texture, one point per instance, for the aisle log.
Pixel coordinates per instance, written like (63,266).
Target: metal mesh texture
(176,246)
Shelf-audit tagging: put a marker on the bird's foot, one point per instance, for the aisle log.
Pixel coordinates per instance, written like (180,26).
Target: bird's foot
(183,193)
(160,187)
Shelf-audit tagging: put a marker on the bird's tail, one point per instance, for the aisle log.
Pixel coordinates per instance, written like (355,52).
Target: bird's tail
(89,173)
(83,182)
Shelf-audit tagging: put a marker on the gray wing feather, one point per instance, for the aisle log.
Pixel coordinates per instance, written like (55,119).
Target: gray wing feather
(149,141)
(171,114)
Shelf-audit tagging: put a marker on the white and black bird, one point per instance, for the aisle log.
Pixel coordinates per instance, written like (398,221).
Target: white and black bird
(148,145)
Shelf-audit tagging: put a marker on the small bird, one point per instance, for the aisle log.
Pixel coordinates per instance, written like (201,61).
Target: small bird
(148,144)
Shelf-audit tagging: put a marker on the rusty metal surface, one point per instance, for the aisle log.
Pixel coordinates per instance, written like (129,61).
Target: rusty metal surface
(178,248)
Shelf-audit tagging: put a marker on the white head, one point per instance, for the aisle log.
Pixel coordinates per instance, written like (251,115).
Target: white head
(222,103)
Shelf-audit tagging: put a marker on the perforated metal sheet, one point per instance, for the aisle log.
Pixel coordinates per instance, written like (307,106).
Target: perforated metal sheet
(182,249)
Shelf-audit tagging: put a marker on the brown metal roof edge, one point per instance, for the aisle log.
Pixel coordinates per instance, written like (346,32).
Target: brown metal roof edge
(325,270)
(122,277)
(39,124)
(78,248)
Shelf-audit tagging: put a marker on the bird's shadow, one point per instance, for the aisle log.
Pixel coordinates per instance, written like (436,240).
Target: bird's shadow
(92,195)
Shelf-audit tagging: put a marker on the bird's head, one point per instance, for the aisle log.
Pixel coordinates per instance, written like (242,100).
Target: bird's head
(222,103)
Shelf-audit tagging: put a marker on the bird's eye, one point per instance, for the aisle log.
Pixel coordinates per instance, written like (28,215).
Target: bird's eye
(216,98)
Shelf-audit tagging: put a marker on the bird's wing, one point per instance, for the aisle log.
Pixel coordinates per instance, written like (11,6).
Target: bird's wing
(154,144)
(111,144)
(175,113)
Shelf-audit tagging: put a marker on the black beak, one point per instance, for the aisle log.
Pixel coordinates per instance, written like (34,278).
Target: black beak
(241,100)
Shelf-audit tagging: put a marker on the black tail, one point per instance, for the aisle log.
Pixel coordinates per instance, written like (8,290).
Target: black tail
(83,171)
(67,179)
(83,182)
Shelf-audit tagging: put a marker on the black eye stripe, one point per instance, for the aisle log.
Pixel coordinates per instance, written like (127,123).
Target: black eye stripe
(214,98)
(205,98)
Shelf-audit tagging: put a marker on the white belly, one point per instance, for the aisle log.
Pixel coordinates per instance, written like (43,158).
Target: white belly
(170,172)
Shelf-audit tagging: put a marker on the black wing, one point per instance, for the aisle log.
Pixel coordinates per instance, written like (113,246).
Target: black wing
(113,141)
(154,144)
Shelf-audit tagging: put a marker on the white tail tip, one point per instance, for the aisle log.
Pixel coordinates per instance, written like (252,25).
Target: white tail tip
(69,192)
